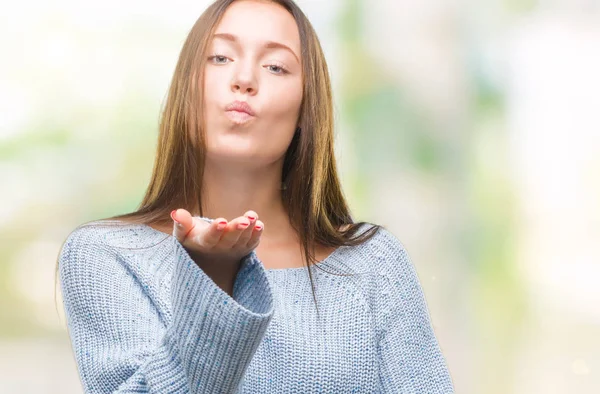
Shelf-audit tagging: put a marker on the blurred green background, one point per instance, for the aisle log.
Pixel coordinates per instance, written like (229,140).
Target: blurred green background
(470,129)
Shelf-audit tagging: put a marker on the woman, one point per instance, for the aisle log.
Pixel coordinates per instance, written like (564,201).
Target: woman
(301,300)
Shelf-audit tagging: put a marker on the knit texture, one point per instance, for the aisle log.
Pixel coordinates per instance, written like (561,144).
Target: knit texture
(144,318)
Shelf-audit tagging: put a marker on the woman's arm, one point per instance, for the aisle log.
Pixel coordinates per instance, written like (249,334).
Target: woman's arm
(411,360)
(123,344)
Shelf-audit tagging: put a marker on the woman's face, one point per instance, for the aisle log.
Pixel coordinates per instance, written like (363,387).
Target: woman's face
(253,59)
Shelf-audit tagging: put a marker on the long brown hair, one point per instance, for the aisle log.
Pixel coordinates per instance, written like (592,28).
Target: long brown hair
(312,195)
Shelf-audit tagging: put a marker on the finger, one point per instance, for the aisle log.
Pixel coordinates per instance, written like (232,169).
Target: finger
(251,215)
(256,233)
(247,233)
(234,230)
(208,235)
(183,223)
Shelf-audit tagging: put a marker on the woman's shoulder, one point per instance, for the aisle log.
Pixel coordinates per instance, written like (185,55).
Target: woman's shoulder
(386,242)
(393,260)
(113,234)
(382,239)
(383,250)
(102,248)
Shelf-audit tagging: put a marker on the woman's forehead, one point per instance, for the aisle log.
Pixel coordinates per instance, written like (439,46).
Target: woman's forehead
(251,21)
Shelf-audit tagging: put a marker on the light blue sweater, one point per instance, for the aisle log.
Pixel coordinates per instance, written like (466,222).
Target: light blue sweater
(149,320)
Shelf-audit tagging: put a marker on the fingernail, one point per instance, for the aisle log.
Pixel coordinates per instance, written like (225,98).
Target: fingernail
(173,216)
(252,218)
(242,225)
(258,228)
(221,225)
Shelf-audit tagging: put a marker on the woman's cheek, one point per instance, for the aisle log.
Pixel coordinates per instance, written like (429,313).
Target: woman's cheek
(287,96)
(209,83)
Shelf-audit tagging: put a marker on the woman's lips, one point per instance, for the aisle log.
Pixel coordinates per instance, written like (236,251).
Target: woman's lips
(239,117)
(239,112)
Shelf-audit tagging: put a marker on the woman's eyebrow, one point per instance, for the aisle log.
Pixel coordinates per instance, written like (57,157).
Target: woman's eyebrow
(268,44)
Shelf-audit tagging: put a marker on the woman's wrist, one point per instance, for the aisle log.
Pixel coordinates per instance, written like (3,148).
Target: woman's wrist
(220,270)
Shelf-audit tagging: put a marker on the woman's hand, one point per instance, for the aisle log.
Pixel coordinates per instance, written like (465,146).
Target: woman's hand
(219,240)
(218,247)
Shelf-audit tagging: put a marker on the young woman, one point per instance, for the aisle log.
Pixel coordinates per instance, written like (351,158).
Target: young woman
(289,295)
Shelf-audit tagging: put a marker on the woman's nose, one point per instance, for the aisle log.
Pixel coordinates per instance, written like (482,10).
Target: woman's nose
(244,82)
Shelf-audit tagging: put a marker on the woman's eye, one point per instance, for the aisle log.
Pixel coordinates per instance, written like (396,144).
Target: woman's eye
(218,59)
(275,69)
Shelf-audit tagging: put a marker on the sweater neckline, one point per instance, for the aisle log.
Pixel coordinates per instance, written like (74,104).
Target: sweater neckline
(325,263)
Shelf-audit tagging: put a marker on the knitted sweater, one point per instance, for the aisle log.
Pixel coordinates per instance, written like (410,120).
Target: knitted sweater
(144,318)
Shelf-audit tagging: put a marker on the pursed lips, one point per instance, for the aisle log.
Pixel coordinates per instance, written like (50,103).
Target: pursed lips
(240,106)
(239,112)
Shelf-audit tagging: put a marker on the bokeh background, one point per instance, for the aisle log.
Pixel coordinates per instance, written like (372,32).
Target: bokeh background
(471,129)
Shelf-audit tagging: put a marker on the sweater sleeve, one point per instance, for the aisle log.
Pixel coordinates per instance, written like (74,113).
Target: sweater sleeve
(122,343)
(411,360)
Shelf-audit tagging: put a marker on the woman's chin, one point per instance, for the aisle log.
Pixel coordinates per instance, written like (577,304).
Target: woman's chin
(232,152)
